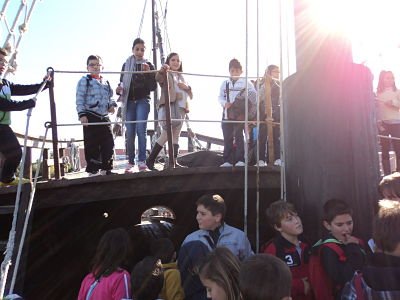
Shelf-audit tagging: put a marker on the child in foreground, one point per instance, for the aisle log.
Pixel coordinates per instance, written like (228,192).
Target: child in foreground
(288,247)
(339,252)
(265,277)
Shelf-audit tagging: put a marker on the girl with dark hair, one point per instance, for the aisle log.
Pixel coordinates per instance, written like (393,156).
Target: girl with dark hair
(220,275)
(388,116)
(107,280)
(147,279)
(135,98)
(179,92)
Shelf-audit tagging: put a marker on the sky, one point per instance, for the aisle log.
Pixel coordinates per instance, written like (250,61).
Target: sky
(206,34)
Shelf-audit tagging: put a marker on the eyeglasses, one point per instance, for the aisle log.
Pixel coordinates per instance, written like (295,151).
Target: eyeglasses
(3,62)
(94,65)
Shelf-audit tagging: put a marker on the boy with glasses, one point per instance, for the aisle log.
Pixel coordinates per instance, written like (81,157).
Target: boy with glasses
(9,145)
(93,103)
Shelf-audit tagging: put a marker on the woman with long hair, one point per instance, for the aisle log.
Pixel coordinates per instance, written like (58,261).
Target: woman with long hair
(220,275)
(388,104)
(107,279)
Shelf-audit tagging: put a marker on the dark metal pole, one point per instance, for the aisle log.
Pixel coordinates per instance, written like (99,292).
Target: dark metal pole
(54,133)
(168,122)
(154,44)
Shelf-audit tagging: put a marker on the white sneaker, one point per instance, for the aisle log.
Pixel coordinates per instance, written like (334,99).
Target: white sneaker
(261,163)
(226,164)
(93,174)
(130,169)
(278,162)
(240,164)
(142,166)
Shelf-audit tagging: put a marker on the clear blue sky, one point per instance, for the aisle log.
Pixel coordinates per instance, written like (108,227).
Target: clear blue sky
(206,34)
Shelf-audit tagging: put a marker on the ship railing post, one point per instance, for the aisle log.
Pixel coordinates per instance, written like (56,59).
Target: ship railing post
(62,164)
(28,164)
(54,133)
(171,160)
(45,164)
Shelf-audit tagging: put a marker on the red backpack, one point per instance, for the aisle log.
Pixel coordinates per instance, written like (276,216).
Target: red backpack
(320,282)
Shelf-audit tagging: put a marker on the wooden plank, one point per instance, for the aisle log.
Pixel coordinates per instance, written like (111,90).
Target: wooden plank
(103,188)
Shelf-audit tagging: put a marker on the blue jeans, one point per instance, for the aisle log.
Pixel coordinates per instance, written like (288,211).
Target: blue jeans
(136,111)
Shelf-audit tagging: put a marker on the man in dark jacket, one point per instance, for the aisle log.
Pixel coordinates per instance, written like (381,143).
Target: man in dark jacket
(9,145)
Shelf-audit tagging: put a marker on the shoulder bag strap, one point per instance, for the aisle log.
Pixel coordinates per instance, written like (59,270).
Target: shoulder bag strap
(91,289)
(126,286)
(227,91)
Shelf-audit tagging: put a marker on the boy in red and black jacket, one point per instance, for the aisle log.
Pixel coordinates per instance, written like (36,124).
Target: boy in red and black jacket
(341,253)
(287,246)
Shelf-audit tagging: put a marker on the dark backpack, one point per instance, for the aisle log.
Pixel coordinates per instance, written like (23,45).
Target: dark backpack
(238,109)
(322,285)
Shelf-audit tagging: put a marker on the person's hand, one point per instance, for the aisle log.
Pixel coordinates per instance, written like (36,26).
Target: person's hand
(145,67)
(381,128)
(33,102)
(84,120)
(183,86)
(307,286)
(111,110)
(164,68)
(119,90)
(349,239)
(228,105)
(47,78)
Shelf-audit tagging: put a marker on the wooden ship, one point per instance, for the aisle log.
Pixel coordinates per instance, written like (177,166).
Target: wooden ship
(69,215)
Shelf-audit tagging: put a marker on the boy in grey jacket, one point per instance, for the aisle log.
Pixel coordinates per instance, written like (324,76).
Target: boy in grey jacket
(93,103)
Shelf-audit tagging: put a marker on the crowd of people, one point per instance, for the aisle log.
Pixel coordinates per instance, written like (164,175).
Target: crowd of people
(139,78)
(216,261)
(94,104)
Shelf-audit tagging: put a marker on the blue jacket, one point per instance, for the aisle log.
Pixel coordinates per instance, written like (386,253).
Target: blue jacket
(230,237)
(93,97)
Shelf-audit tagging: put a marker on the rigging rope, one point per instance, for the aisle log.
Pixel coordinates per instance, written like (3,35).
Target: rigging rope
(11,241)
(141,20)
(28,212)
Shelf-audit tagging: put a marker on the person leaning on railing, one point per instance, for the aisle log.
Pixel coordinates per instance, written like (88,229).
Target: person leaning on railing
(388,115)
(179,92)
(9,145)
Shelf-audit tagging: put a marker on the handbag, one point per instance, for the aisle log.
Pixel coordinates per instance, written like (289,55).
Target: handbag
(175,114)
(237,111)
(117,128)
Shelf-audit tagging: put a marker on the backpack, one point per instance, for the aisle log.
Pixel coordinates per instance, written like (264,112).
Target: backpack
(237,110)
(320,282)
